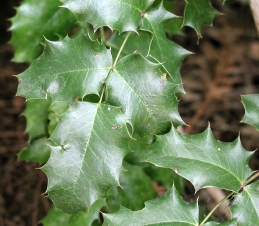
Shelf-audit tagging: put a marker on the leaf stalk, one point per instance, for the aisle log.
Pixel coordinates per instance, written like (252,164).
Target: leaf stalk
(215,207)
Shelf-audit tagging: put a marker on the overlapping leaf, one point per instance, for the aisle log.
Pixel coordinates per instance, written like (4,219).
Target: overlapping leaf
(136,189)
(162,49)
(91,141)
(66,70)
(37,151)
(146,96)
(202,159)
(118,15)
(251,104)
(56,217)
(36,114)
(245,206)
(168,209)
(199,13)
(138,43)
(33,20)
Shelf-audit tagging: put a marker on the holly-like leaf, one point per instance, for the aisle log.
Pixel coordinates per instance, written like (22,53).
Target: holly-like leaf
(118,15)
(199,13)
(66,70)
(37,151)
(138,43)
(168,209)
(251,104)
(34,20)
(161,49)
(136,189)
(202,159)
(146,96)
(56,217)
(91,142)
(245,206)
(36,113)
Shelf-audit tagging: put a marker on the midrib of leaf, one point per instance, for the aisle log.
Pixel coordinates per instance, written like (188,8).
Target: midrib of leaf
(139,97)
(128,5)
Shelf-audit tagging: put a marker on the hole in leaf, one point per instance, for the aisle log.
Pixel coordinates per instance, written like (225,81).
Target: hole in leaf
(92,98)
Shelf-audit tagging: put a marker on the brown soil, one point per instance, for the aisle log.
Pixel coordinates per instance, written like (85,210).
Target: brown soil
(225,65)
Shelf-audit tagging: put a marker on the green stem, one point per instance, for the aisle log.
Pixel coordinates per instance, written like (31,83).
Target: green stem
(121,48)
(113,65)
(251,179)
(211,212)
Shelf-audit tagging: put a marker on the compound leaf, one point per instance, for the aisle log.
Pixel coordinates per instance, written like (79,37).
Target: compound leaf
(91,141)
(66,70)
(245,206)
(161,49)
(202,159)
(33,20)
(118,15)
(168,209)
(251,104)
(146,96)
(199,13)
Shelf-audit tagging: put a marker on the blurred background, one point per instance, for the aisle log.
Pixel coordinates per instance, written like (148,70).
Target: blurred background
(224,67)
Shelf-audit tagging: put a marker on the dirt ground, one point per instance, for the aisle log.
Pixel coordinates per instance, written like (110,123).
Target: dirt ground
(224,66)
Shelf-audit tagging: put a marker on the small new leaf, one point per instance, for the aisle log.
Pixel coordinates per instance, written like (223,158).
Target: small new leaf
(86,161)
(202,159)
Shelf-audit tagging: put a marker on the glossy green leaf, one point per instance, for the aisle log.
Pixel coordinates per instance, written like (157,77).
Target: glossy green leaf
(199,13)
(251,104)
(168,209)
(34,20)
(245,206)
(146,96)
(138,43)
(37,151)
(56,217)
(118,15)
(202,159)
(66,70)
(161,49)
(91,141)
(36,113)
(136,189)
